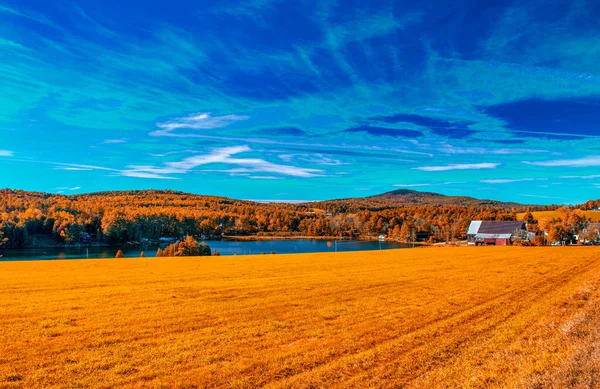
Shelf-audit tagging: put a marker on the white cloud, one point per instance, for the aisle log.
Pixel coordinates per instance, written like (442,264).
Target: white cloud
(458,166)
(505,181)
(118,172)
(580,162)
(73,169)
(450,149)
(197,121)
(224,155)
(112,141)
(265,177)
(139,174)
(76,166)
(583,177)
(6,153)
(75,188)
(317,158)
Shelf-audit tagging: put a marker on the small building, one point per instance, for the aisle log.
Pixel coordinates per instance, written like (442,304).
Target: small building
(497,233)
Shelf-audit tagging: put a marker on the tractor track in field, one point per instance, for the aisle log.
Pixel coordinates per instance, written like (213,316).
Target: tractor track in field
(411,346)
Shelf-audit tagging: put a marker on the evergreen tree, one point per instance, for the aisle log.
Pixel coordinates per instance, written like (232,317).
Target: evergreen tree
(2,239)
(205,250)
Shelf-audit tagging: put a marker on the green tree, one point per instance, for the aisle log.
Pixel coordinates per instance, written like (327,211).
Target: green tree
(3,240)
(205,250)
(528,218)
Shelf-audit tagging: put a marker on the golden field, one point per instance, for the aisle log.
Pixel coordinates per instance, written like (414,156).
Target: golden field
(594,216)
(485,317)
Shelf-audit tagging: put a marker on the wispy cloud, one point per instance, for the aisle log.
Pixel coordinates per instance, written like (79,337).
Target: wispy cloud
(142,174)
(505,181)
(265,178)
(6,153)
(197,121)
(458,166)
(76,166)
(410,185)
(580,162)
(590,177)
(117,172)
(112,141)
(541,196)
(224,155)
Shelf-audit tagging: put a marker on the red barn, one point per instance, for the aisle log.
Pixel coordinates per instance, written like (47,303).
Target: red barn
(498,233)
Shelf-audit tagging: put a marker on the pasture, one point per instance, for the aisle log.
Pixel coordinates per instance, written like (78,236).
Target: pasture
(493,317)
(594,216)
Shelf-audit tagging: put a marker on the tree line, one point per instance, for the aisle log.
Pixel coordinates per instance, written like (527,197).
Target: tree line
(34,218)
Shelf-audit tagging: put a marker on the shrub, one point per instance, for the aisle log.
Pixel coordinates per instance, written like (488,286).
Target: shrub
(538,241)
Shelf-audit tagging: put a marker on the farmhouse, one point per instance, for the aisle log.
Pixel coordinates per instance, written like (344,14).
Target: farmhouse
(501,233)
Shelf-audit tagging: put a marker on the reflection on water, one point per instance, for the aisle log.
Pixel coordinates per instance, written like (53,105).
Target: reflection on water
(224,247)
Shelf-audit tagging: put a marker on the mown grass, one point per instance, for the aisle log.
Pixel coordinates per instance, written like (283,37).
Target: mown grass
(424,318)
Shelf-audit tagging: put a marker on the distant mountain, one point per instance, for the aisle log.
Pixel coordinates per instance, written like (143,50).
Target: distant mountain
(413,197)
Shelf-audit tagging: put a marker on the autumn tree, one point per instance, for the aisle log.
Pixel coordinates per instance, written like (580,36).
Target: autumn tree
(188,248)
(119,254)
(169,251)
(591,233)
(405,233)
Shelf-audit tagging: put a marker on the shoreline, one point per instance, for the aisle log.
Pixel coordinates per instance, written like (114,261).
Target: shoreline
(224,238)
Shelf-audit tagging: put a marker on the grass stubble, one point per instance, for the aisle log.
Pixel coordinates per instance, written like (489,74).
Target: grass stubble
(427,318)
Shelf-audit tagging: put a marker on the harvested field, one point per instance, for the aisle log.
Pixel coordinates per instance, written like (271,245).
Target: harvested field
(594,216)
(493,317)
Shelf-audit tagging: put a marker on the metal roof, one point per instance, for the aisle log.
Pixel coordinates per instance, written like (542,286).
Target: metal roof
(474,227)
(498,227)
(493,236)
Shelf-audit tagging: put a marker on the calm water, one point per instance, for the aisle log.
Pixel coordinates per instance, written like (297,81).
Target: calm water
(224,247)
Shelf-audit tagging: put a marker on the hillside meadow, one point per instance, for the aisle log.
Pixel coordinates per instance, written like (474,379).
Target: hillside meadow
(486,317)
(594,216)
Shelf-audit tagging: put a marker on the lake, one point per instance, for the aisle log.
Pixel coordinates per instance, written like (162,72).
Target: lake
(224,247)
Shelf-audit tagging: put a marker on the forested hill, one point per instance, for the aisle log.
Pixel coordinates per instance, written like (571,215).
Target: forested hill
(407,196)
(34,218)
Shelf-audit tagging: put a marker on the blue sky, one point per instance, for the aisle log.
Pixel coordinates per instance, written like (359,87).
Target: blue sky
(294,100)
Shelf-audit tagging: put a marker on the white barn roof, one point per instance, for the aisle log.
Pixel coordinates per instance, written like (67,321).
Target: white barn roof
(474,227)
